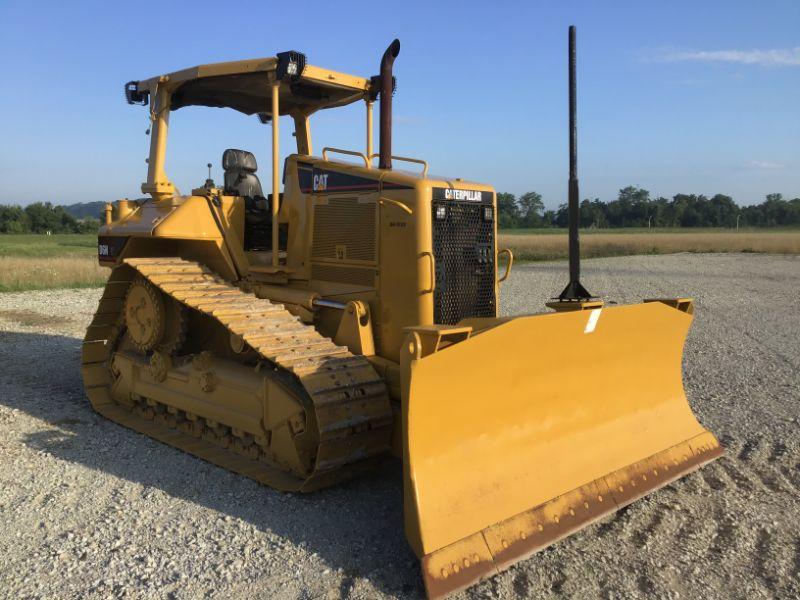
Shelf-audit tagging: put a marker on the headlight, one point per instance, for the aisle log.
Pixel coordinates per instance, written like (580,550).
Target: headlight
(441,212)
(488,213)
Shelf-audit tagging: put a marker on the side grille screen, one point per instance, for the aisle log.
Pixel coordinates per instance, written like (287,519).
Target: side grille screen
(463,247)
(344,229)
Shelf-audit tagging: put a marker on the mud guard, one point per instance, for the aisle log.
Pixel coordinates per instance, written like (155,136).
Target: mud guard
(534,427)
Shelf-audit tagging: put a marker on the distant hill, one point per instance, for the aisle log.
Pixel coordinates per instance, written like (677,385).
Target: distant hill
(81,210)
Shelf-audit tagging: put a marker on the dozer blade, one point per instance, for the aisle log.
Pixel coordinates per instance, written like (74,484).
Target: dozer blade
(535,427)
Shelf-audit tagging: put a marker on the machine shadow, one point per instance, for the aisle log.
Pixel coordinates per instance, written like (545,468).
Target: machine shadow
(356,527)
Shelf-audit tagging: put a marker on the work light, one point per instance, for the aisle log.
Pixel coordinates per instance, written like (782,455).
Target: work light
(291,65)
(134,96)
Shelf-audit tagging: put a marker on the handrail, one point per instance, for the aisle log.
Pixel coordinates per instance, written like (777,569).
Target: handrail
(508,265)
(418,161)
(397,203)
(361,155)
(433,272)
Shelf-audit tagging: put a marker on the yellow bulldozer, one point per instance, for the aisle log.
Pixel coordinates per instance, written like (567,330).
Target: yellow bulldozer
(301,335)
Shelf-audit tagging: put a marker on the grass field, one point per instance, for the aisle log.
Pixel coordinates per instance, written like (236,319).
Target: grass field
(31,245)
(37,262)
(40,262)
(548,244)
(652,230)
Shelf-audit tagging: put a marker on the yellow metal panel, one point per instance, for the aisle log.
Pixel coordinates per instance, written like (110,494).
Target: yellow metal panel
(535,408)
(457,566)
(213,70)
(311,73)
(334,78)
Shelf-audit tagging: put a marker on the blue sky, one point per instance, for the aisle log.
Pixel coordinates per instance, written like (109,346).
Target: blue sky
(694,97)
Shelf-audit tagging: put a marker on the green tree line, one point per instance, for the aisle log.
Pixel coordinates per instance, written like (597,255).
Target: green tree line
(42,217)
(633,207)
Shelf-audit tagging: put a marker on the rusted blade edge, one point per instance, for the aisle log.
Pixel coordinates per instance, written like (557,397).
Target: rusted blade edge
(494,549)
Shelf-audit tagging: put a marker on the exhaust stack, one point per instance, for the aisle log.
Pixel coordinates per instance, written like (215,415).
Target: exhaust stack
(574,290)
(387,89)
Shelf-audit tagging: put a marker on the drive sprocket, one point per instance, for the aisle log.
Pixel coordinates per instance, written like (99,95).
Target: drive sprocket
(145,315)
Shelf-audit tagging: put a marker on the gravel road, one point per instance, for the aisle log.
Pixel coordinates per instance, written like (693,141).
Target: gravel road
(90,509)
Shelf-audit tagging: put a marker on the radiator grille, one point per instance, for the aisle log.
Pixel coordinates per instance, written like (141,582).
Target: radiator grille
(463,247)
(344,229)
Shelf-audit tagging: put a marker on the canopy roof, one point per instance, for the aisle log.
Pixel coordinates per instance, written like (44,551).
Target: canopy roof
(246,86)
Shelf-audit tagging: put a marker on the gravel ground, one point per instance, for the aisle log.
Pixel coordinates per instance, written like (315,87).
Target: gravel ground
(90,509)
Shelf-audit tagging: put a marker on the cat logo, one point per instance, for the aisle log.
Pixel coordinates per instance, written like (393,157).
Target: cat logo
(320,182)
(469,195)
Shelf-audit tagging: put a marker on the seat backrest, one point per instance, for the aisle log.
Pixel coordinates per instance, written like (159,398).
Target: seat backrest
(240,173)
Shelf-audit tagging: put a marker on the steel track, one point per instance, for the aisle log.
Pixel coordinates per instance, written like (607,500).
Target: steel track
(349,399)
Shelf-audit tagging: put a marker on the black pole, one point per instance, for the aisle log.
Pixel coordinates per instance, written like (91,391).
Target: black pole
(573,196)
(387,89)
(574,289)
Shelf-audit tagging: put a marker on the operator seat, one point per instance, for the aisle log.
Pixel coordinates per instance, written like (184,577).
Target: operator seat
(241,180)
(240,173)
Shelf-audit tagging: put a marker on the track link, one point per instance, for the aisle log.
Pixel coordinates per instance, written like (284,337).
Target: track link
(349,399)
